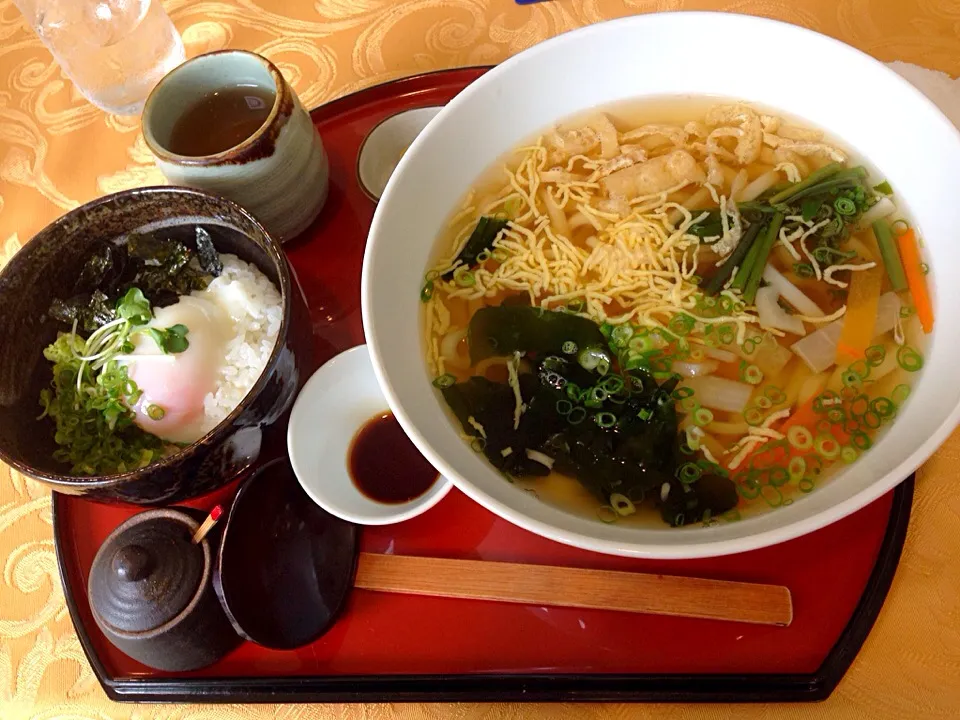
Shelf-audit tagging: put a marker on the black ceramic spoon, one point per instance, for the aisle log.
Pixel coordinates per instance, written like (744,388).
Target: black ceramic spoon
(286,567)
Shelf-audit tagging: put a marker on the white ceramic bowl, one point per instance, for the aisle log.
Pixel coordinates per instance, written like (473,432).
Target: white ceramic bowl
(333,405)
(873,110)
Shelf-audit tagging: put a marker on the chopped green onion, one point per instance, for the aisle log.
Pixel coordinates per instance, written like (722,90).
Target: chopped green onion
(800,437)
(827,446)
(463,277)
(753,375)
(875,355)
(806,485)
(444,381)
(859,405)
(778,476)
(773,496)
(804,270)
(900,394)
(797,467)
(155,412)
(836,415)
(622,505)
(764,402)
(703,416)
(426,292)
(645,414)
(688,472)
(682,393)
(861,440)
(851,379)
(607,514)
(605,419)
(890,255)
(569,347)
(884,188)
(590,358)
(775,394)
(621,334)
(577,416)
(483,256)
(883,407)
(848,454)
(924,268)
(478,444)
(612,384)
(564,407)
(753,416)
(872,420)
(909,359)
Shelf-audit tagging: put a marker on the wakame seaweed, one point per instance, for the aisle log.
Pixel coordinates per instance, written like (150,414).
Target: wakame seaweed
(480,240)
(161,267)
(615,433)
(505,329)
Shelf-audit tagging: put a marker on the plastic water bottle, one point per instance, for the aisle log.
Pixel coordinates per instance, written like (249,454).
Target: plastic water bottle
(115,51)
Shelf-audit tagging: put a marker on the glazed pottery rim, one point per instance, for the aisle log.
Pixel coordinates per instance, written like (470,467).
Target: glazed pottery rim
(224,156)
(420,421)
(206,579)
(66,481)
(374,198)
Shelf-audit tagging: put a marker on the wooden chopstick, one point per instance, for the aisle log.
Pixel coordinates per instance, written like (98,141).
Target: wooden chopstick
(576,587)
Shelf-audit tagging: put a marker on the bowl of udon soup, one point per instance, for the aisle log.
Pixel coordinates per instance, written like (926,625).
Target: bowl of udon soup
(152,341)
(668,286)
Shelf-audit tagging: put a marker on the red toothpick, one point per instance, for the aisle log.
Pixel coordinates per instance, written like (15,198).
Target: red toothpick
(208,524)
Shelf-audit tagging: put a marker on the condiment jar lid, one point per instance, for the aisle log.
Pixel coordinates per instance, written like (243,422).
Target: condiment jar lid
(147,571)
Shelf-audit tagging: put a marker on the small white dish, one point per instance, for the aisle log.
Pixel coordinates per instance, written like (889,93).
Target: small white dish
(385,145)
(333,405)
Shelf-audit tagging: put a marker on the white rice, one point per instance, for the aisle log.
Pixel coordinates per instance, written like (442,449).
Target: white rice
(255,306)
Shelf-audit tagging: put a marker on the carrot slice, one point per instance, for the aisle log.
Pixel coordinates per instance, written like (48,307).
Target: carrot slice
(913,267)
(803,416)
(861,316)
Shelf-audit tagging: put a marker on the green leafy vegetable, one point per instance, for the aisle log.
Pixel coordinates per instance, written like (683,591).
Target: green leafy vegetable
(735,259)
(814,178)
(94,426)
(171,340)
(480,240)
(134,307)
(890,255)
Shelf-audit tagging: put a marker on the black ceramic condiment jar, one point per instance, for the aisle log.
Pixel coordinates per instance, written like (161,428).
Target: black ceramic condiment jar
(151,592)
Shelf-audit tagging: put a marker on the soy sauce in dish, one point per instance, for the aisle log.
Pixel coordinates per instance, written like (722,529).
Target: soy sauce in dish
(221,120)
(385,466)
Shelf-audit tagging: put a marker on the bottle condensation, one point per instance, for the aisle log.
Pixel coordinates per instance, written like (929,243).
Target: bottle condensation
(114,51)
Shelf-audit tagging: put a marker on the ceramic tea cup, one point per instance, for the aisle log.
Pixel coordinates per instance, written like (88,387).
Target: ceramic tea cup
(276,168)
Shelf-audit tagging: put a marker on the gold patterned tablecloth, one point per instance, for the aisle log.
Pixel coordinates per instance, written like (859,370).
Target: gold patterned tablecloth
(57,152)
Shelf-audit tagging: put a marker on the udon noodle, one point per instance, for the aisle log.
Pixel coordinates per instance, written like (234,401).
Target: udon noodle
(703,313)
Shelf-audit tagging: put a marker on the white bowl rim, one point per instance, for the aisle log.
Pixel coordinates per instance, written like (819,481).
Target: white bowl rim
(685,550)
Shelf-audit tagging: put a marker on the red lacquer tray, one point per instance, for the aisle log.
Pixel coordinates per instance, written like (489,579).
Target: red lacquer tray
(394,647)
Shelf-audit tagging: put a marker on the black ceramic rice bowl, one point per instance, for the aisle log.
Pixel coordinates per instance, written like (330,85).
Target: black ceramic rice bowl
(51,261)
